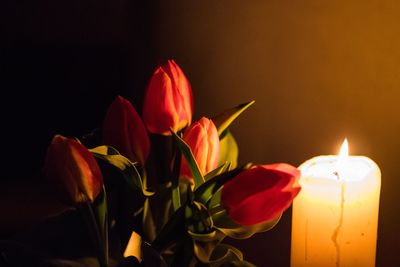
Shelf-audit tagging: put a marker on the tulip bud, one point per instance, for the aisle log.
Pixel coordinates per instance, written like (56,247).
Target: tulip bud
(168,101)
(202,138)
(73,170)
(124,130)
(261,193)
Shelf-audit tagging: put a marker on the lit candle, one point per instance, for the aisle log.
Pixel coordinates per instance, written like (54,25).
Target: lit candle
(335,216)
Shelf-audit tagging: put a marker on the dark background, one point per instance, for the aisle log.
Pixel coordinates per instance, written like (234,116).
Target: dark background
(319,72)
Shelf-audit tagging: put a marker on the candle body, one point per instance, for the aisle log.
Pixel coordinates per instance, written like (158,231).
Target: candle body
(335,216)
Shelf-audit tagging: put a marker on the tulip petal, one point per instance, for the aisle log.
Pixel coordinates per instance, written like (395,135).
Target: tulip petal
(184,107)
(213,147)
(159,97)
(60,176)
(263,206)
(202,138)
(260,193)
(91,178)
(168,102)
(124,130)
(73,170)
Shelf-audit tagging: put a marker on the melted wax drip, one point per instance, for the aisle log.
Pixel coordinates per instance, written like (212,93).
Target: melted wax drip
(339,226)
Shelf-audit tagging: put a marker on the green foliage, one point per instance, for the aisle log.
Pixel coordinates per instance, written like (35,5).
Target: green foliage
(228,149)
(223,223)
(127,168)
(197,219)
(207,190)
(217,171)
(223,120)
(190,160)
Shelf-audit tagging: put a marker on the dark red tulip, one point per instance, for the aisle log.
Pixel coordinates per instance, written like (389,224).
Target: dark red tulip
(202,138)
(260,193)
(124,130)
(168,102)
(73,170)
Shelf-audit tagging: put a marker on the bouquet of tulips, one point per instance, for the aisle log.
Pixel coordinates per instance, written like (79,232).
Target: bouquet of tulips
(162,189)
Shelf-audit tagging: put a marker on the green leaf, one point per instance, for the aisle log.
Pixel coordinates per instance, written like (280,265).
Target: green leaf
(217,171)
(204,244)
(216,254)
(127,168)
(105,150)
(203,250)
(215,200)
(191,162)
(205,192)
(207,237)
(228,149)
(223,223)
(226,253)
(223,120)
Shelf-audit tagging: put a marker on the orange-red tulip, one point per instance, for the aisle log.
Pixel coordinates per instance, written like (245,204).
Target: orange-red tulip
(202,138)
(261,193)
(124,130)
(73,170)
(168,102)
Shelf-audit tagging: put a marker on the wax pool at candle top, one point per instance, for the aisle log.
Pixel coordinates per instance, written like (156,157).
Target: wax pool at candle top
(352,169)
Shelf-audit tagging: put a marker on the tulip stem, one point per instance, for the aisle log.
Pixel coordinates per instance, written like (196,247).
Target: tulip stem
(176,196)
(89,218)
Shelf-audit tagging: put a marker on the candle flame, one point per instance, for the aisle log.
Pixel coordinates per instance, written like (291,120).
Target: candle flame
(344,150)
(343,156)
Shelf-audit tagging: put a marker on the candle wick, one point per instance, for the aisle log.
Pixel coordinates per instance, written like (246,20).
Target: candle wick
(336,173)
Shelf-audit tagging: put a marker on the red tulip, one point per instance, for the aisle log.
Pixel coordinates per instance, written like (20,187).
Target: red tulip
(124,130)
(202,138)
(168,101)
(73,170)
(261,193)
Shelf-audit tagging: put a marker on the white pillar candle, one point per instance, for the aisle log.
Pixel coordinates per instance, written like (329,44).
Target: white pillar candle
(335,216)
